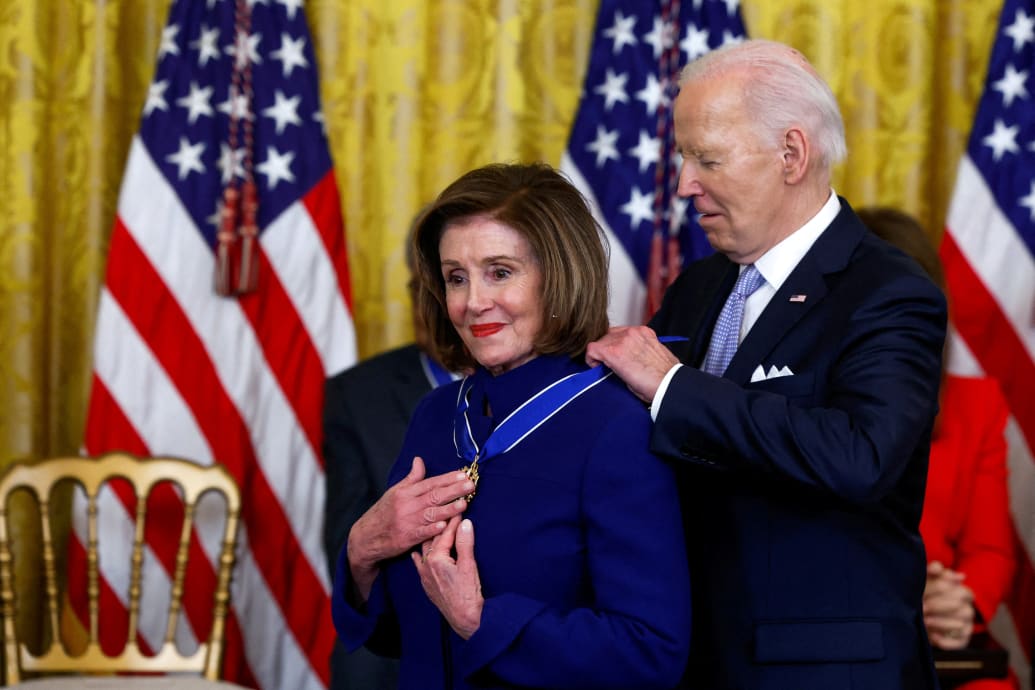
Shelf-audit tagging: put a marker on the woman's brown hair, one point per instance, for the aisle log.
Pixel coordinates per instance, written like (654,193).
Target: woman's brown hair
(547,210)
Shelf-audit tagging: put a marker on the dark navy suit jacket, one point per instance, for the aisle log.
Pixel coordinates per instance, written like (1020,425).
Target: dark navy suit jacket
(802,494)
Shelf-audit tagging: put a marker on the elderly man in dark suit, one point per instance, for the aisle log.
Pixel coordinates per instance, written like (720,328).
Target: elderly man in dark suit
(800,407)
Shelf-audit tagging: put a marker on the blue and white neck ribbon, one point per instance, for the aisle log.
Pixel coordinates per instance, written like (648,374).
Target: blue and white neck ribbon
(528,417)
(436,374)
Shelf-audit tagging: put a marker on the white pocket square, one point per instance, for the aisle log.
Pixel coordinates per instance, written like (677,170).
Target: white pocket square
(760,374)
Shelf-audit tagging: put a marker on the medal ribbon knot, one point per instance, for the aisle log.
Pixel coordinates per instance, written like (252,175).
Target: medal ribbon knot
(528,417)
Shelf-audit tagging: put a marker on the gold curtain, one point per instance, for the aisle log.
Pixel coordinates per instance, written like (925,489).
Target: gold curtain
(415,92)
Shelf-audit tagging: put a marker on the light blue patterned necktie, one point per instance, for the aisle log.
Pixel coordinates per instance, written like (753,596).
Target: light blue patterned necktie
(726,336)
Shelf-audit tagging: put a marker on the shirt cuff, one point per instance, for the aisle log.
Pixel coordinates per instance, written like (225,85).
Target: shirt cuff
(656,403)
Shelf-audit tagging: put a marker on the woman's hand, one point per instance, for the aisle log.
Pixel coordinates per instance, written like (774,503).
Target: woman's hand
(948,607)
(413,511)
(453,585)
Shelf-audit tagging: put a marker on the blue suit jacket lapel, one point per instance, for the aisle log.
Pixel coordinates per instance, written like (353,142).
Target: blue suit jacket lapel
(830,254)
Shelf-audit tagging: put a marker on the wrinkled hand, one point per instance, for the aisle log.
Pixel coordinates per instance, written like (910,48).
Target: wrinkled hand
(452,584)
(413,511)
(948,607)
(636,355)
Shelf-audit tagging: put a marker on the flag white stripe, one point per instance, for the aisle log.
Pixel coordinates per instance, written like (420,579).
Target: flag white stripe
(142,389)
(994,250)
(628,295)
(299,258)
(1021,469)
(959,359)
(273,654)
(282,449)
(122,365)
(1004,631)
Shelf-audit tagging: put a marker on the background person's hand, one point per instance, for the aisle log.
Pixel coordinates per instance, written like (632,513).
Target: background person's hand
(636,355)
(948,607)
(409,513)
(452,584)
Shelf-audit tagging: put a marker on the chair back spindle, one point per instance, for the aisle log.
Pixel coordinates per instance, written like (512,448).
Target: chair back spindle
(143,475)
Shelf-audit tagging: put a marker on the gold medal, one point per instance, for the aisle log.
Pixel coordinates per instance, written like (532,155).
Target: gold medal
(472,473)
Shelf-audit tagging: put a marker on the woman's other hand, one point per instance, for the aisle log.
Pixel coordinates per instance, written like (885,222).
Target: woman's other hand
(452,584)
(948,607)
(409,513)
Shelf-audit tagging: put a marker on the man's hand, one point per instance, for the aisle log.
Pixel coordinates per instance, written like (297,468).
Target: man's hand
(634,353)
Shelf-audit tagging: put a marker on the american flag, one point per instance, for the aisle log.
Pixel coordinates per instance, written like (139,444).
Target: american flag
(181,370)
(621,153)
(989,255)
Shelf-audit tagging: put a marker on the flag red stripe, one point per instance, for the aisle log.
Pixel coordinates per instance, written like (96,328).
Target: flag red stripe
(113,625)
(292,358)
(115,432)
(162,533)
(167,332)
(324,208)
(235,664)
(990,336)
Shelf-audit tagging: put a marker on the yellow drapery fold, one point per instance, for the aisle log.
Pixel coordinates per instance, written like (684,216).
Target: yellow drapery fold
(414,93)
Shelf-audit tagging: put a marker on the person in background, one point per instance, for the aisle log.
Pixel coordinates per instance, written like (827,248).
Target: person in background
(568,568)
(966,523)
(800,406)
(366,411)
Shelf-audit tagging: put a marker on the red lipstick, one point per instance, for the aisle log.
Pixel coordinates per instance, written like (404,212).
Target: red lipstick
(481,330)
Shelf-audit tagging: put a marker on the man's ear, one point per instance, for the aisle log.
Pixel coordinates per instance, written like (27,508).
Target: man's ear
(796,153)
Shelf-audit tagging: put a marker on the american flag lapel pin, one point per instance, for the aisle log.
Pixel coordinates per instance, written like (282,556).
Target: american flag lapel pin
(797,298)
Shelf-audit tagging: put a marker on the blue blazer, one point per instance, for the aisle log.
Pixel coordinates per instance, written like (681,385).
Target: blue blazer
(579,544)
(802,494)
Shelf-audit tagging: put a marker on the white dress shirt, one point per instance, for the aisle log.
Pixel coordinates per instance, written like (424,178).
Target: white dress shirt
(775,265)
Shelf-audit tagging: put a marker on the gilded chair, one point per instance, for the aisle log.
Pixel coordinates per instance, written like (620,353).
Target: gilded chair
(143,476)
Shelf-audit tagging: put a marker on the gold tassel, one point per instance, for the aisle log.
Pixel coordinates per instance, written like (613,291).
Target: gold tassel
(226,236)
(248,277)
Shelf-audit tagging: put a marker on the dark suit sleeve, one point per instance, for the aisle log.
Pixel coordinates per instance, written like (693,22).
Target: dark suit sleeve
(351,487)
(848,422)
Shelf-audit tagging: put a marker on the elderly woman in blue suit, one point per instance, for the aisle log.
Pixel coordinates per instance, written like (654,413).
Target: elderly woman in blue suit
(578,575)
